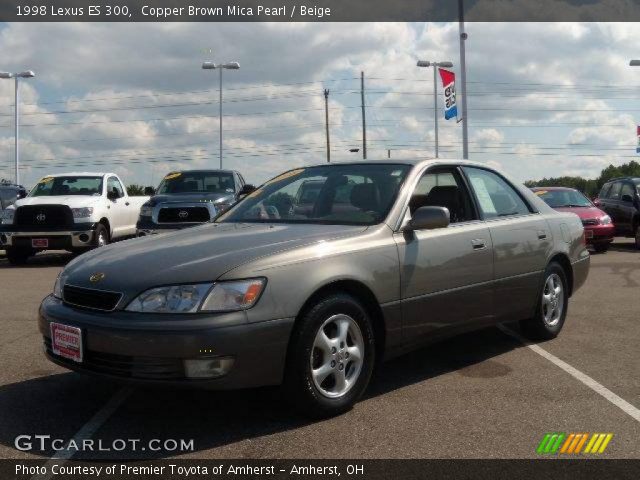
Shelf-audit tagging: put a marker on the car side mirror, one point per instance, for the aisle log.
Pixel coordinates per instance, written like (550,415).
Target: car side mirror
(246,190)
(112,194)
(149,191)
(21,194)
(428,218)
(627,198)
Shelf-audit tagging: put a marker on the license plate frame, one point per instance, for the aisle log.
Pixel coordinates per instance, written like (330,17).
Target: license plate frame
(66,341)
(40,243)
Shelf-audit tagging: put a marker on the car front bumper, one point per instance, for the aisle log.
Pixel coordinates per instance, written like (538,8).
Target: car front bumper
(118,347)
(596,234)
(149,227)
(81,235)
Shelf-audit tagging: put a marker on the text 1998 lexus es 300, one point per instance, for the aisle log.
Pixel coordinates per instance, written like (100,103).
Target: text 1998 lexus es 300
(316,275)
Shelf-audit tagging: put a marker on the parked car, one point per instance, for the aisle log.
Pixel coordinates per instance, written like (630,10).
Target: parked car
(421,250)
(188,198)
(9,193)
(620,200)
(70,211)
(599,231)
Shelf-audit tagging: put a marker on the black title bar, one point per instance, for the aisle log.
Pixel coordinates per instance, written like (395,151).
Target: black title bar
(319,10)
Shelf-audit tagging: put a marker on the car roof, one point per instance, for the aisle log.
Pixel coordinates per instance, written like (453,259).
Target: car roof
(80,174)
(619,179)
(202,170)
(405,161)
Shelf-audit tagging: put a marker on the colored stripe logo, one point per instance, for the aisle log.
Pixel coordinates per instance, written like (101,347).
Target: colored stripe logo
(574,443)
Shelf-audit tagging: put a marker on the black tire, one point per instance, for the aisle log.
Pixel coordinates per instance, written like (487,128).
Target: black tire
(540,327)
(18,256)
(101,232)
(299,385)
(601,247)
(636,236)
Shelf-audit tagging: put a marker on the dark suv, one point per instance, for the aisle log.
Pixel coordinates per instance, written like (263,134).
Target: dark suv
(9,193)
(619,198)
(188,198)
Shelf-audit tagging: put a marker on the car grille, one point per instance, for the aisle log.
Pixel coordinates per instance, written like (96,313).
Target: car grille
(590,221)
(147,368)
(89,298)
(43,216)
(183,215)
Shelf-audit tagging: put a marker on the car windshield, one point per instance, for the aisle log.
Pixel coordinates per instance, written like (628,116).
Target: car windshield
(564,198)
(197,182)
(337,194)
(72,185)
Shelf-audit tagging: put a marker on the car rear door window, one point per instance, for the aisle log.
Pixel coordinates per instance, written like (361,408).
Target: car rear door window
(496,197)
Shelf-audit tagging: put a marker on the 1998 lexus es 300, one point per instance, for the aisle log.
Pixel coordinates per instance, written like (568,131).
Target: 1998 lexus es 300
(314,276)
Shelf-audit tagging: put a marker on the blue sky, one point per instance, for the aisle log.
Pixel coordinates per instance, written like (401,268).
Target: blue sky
(544,99)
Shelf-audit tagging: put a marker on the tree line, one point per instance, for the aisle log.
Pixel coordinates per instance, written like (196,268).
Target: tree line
(590,187)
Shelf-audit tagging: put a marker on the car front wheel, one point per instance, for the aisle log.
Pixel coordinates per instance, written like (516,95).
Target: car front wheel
(331,357)
(552,302)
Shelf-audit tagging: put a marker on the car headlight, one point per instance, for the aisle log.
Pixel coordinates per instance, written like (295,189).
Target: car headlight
(219,297)
(234,295)
(84,212)
(7,216)
(145,211)
(170,299)
(605,220)
(57,287)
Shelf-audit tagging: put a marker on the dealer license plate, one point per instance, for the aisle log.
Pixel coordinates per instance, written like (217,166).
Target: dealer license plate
(40,242)
(66,341)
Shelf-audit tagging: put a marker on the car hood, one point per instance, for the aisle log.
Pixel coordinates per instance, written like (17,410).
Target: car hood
(193,255)
(73,201)
(190,197)
(585,213)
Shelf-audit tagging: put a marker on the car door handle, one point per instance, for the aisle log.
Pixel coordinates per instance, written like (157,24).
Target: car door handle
(542,235)
(127,204)
(478,244)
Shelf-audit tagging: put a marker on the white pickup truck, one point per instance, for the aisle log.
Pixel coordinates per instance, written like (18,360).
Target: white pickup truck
(71,211)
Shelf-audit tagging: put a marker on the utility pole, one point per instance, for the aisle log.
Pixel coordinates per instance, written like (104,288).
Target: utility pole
(364,118)
(326,122)
(463,71)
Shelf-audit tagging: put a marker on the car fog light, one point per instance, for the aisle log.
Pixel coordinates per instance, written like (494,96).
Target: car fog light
(208,367)
(84,237)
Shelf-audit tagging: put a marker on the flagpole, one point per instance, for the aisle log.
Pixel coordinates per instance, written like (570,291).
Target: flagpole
(435,105)
(463,75)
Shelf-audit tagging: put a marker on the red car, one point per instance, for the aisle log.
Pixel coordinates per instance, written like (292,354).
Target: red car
(598,227)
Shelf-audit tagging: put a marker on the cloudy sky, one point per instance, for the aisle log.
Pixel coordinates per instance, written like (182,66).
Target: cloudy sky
(544,99)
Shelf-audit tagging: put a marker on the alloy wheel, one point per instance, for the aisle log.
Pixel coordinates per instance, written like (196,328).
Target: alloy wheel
(552,300)
(337,355)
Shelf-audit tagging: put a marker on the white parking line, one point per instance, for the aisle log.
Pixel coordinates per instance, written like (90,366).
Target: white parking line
(86,431)
(621,403)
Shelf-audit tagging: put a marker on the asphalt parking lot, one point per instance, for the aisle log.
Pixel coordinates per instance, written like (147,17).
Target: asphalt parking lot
(482,395)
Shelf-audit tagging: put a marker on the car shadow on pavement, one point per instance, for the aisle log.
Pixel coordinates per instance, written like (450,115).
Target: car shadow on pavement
(44,259)
(58,405)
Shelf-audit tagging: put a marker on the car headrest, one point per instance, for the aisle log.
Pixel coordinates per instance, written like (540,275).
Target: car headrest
(365,196)
(443,196)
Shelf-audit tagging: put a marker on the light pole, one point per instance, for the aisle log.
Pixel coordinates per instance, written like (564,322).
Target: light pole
(221,66)
(435,65)
(16,108)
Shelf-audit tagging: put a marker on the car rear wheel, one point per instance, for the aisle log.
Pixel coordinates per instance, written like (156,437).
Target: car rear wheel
(552,303)
(330,357)
(637,237)
(19,256)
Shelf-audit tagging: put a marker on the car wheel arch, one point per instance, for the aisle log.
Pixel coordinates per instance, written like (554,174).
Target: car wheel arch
(360,292)
(563,260)
(107,225)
